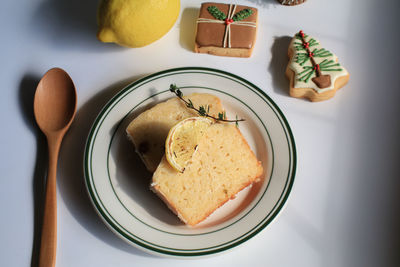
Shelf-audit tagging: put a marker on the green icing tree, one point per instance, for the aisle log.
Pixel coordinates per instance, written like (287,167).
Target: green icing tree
(305,54)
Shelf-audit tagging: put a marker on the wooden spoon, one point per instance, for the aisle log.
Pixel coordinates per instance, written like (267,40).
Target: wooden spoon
(54,107)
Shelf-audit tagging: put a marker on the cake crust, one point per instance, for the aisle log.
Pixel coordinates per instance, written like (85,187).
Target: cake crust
(149,130)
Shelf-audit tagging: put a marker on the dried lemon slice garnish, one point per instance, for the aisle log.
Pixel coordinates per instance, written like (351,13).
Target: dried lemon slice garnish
(182,141)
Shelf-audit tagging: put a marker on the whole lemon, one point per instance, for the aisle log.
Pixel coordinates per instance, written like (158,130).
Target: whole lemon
(136,23)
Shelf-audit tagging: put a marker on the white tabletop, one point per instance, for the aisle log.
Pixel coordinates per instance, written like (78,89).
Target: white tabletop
(344,207)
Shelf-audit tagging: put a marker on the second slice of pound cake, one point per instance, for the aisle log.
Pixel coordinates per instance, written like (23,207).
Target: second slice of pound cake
(149,130)
(222,166)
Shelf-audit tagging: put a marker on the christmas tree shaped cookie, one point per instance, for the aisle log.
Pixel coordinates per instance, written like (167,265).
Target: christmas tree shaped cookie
(313,71)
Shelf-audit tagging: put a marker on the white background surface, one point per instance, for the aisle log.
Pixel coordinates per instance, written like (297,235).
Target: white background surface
(345,203)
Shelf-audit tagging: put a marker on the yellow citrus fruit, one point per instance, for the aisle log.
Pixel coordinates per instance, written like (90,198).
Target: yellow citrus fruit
(135,23)
(182,141)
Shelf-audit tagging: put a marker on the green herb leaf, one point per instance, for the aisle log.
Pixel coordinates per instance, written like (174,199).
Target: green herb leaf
(190,104)
(172,88)
(202,111)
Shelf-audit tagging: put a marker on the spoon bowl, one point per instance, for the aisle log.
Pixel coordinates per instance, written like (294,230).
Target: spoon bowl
(55,101)
(54,108)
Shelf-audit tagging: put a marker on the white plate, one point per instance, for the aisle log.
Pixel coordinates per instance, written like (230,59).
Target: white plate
(118,183)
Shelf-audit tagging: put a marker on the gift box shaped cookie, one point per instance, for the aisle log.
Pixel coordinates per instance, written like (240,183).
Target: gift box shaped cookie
(226,30)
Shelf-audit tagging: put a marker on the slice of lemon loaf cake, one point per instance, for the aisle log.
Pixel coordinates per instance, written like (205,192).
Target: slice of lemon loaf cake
(149,130)
(222,165)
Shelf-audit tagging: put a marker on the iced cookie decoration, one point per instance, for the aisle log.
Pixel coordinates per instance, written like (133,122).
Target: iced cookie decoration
(226,30)
(291,2)
(313,71)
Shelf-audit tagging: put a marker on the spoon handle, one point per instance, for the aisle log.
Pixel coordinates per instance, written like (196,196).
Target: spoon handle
(48,245)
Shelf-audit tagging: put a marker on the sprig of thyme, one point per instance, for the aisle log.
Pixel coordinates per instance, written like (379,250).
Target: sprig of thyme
(202,110)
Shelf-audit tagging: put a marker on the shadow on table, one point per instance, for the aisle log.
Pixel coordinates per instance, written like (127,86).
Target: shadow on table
(71,178)
(69,24)
(70,169)
(277,66)
(26,92)
(187,28)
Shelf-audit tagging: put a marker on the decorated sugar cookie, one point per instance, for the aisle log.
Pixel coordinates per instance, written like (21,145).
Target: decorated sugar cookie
(313,71)
(291,2)
(226,30)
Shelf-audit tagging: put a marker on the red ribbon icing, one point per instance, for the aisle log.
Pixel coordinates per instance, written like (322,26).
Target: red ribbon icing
(228,21)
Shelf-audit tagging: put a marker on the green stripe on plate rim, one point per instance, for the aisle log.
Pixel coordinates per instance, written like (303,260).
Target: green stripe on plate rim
(116,227)
(207,73)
